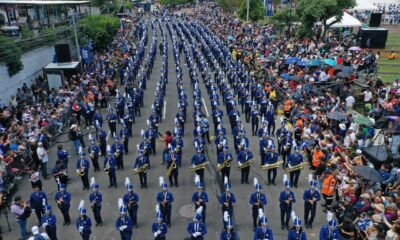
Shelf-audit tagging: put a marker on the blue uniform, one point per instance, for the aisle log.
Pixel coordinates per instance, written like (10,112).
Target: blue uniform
(124,226)
(49,223)
(228,235)
(161,229)
(293,235)
(63,156)
(263,233)
(94,152)
(84,224)
(95,199)
(295,159)
(111,163)
(310,194)
(131,200)
(63,200)
(286,208)
(200,199)
(83,164)
(196,227)
(196,160)
(327,234)
(165,200)
(224,198)
(36,202)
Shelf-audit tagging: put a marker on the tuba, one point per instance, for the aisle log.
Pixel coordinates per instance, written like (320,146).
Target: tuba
(171,167)
(224,164)
(246,164)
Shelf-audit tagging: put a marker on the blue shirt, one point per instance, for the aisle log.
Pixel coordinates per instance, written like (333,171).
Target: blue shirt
(197,227)
(263,233)
(293,235)
(162,227)
(285,196)
(327,234)
(96,196)
(254,197)
(165,196)
(36,200)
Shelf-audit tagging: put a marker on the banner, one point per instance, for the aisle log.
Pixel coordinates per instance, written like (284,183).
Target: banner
(268,7)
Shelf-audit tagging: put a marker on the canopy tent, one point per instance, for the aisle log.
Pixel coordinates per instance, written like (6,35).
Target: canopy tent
(364,5)
(376,2)
(347,21)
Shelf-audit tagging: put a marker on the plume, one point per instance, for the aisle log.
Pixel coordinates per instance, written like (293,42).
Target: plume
(255,182)
(127,181)
(81,204)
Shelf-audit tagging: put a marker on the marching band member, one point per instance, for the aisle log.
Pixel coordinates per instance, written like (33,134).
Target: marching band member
(311,197)
(165,200)
(112,121)
(296,233)
(63,199)
(159,227)
(227,198)
(257,200)
(101,137)
(263,232)
(63,155)
(154,120)
(124,136)
(151,135)
(255,119)
(97,119)
(197,229)
(222,157)
(200,198)
(286,199)
(177,143)
(123,222)
(228,233)
(95,199)
(140,162)
(131,199)
(243,157)
(109,165)
(171,159)
(330,231)
(241,142)
(271,158)
(83,223)
(118,150)
(197,159)
(37,201)
(294,160)
(49,223)
(94,152)
(220,142)
(82,170)
(286,146)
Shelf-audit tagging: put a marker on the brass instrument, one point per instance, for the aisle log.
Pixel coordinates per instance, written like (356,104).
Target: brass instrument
(248,163)
(296,167)
(271,166)
(116,154)
(224,164)
(171,167)
(142,169)
(81,171)
(107,168)
(198,167)
(91,155)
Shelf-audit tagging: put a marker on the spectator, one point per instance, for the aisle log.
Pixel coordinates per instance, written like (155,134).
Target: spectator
(43,159)
(21,212)
(37,235)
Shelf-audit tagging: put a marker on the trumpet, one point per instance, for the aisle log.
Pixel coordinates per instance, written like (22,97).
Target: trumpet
(271,166)
(296,167)
(142,169)
(198,167)
(246,164)
(224,164)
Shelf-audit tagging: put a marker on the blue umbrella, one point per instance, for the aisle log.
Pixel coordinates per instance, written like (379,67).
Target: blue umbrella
(231,38)
(348,69)
(285,76)
(314,63)
(302,63)
(292,60)
(330,62)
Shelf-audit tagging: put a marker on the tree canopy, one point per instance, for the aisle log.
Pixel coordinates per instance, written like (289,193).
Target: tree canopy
(175,2)
(101,29)
(256,11)
(283,18)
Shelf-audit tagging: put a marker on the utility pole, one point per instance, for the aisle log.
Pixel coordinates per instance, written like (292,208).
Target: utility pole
(76,37)
(248,7)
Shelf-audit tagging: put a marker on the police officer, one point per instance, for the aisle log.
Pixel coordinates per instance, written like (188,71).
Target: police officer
(243,157)
(63,155)
(37,202)
(165,200)
(63,199)
(227,198)
(112,121)
(263,232)
(95,199)
(197,229)
(330,231)
(109,165)
(49,223)
(311,197)
(118,150)
(286,199)
(159,227)
(228,233)
(271,158)
(257,200)
(140,162)
(200,198)
(197,159)
(296,233)
(173,158)
(294,160)
(225,156)
(94,152)
(83,223)
(131,199)
(82,170)
(124,223)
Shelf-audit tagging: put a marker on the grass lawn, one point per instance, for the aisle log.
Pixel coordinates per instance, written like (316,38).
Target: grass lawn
(389,70)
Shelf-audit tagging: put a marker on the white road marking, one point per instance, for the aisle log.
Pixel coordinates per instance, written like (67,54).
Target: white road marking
(165,109)
(205,106)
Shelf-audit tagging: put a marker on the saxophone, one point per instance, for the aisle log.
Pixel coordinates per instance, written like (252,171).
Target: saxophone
(107,168)
(225,163)
(92,154)
(142,169)
(171,167)
(116,154)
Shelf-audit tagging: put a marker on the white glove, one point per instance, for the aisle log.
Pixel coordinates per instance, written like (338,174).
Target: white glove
(218,165)
(125,227)
(121,228)
(45,224)
(158,232)
(155,234)
(290,166)
(136,169)
(194,235)
(193,165)
(80,229)
(240,164)
(198,234)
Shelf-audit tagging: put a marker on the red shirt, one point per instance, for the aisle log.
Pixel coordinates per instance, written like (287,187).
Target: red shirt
(167,140)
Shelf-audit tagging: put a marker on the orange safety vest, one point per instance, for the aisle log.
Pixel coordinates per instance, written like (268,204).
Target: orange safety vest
(328,186)
(316,160)
(287,106)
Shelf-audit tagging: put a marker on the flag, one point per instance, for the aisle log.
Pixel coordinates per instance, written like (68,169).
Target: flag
(268,7)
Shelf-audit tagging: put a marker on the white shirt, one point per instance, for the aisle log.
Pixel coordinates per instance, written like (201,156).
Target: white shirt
(43,235)
(42,154)
(350,101)
(367,96)
(349,139)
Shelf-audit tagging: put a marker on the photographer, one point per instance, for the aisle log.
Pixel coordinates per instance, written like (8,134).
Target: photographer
(21,212)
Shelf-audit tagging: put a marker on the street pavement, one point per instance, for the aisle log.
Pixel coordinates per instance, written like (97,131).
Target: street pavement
(182,208)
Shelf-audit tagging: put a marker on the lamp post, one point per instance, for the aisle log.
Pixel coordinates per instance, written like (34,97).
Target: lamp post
(248,8)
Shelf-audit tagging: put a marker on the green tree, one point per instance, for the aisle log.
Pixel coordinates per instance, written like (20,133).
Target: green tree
(282,18)
(101,29)
(229,5)
(256,11)
(175,2)
(313,11)
(10,54)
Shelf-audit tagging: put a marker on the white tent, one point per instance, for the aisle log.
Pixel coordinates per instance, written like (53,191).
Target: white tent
(364,5)
(347,21)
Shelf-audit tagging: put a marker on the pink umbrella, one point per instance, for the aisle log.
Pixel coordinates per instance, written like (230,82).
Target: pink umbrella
(355,49)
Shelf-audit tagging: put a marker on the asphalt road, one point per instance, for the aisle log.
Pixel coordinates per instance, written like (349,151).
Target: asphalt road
(182,194)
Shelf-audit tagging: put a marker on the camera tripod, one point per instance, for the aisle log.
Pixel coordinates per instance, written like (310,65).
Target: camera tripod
(4,209)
